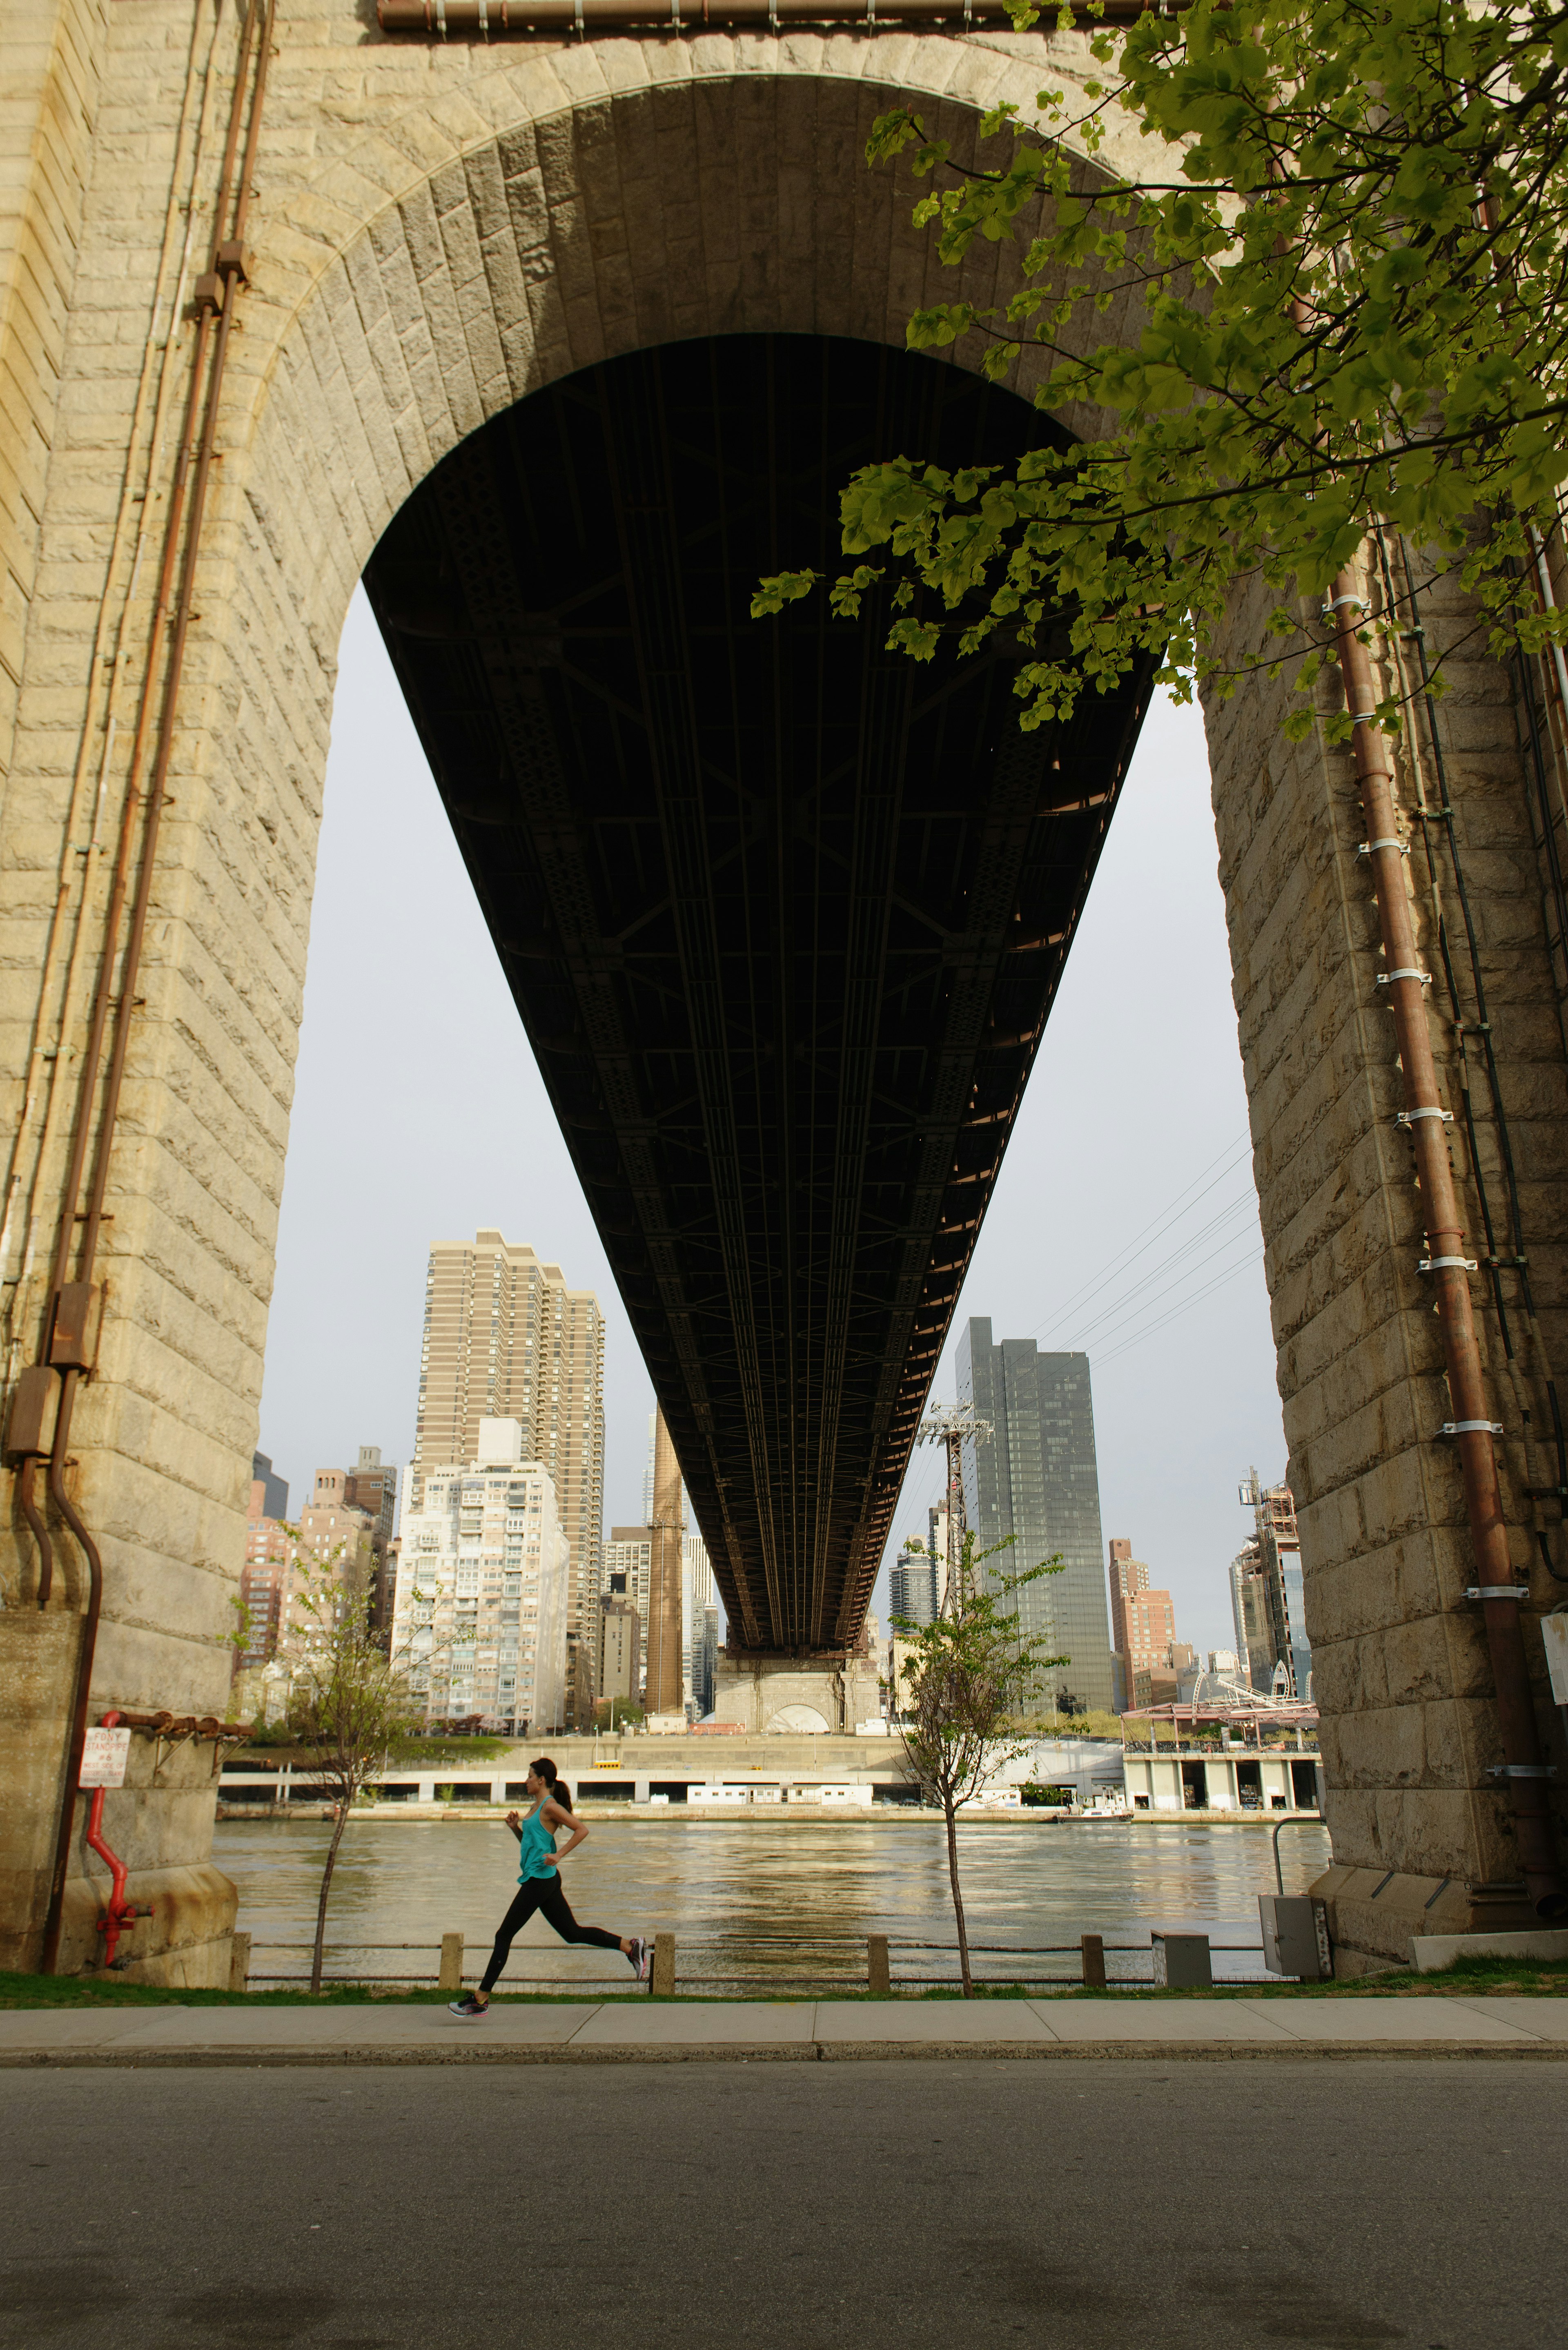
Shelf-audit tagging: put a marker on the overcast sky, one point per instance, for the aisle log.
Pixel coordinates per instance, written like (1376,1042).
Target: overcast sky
(1123,1222)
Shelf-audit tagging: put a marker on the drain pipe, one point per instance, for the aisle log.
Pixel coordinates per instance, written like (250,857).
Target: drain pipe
(70,1329)
(1472,1429)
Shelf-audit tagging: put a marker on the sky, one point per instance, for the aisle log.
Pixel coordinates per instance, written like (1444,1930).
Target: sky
(1124,1222)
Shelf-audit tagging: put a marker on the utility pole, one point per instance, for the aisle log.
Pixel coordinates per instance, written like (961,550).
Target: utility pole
(954,1427)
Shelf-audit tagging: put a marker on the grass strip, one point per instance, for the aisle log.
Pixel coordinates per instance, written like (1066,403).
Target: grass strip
(1470,1975)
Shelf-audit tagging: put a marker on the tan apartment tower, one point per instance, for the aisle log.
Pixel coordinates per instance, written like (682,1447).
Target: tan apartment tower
(663,1692)
(505,1339)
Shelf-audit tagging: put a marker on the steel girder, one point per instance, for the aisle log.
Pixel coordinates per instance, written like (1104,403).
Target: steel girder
(783,914)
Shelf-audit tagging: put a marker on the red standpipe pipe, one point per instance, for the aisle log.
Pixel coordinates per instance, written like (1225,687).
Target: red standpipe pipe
(55,1920)
(520,19)
(1523,1767)
(120,1913)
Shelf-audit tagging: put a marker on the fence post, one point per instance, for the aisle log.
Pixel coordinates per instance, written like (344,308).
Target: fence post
(451,1975)
(1093,1949)
(239,1961)
(662,1979)
(879,1975)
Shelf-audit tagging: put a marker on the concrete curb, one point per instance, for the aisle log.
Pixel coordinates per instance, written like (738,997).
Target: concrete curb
(803,2052)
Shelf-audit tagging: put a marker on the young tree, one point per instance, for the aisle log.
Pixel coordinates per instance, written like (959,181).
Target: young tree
(348,1700)
(1350,246)
(969,1676)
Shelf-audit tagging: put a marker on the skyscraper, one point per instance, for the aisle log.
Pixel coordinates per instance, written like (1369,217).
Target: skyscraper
(1143,1621)
(505,1338)
(1267,1595)
(666,1527)
(912,1586)
(371,1489)
(1037,1480)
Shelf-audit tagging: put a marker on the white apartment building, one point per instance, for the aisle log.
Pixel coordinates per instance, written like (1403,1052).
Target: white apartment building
(483,1570)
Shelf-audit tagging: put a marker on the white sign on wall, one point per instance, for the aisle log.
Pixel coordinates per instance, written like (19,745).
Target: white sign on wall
(105,1755)
(1554,1631)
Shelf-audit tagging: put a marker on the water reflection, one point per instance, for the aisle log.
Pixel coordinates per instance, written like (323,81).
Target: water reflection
(731,1893)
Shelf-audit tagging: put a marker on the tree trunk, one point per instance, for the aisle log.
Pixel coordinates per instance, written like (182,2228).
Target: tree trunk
(338,1827)
(951,1818)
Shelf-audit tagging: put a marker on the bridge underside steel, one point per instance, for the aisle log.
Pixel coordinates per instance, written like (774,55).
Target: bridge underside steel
(783,914)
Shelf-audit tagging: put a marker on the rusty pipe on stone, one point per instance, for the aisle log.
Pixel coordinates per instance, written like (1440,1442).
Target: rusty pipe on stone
(26,1473)
(1523,1762)
(520,19)
(215,296)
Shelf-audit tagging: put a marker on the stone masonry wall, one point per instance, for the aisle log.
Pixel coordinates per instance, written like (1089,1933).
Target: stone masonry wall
(1400,1666)
(438,231)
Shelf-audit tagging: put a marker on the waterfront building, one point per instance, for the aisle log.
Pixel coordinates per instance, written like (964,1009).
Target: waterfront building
(1038,1481)
(274,1499)
(505,1338)
(1267,1594)
(370,1487)
(483,1582)
(698,1602)
(912,1587)
(704,1660)
(627,1573)
(628,1565)
(265,1576)
(1250,1615)
(1143,1629)
(330,1534)
(341,1541)
(937,1546)
(663,1685)
(620,1644)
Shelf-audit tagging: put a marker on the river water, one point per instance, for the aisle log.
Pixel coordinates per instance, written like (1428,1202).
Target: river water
(762,1902)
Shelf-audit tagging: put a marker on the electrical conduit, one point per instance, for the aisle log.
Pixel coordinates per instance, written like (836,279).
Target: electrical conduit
(1523,1767)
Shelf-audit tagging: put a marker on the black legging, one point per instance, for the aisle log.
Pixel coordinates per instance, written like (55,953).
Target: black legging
(547,1894)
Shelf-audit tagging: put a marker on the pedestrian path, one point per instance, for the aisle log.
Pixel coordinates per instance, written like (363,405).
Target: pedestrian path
(633,2032)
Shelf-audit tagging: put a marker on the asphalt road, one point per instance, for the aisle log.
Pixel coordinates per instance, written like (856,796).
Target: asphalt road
(860,2206)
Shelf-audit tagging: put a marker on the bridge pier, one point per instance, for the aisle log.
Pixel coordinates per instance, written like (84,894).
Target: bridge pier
(474,225)
(796,1694)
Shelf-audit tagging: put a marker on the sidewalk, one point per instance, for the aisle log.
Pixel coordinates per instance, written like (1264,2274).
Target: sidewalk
(789,2031)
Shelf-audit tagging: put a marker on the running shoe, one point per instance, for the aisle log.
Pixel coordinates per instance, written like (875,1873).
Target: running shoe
(637,1958)
(469,2009)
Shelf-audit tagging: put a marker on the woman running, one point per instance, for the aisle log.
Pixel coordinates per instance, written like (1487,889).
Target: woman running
(539,1888)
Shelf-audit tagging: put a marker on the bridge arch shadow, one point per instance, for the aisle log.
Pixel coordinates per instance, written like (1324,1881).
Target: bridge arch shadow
(511,379)
(783,913)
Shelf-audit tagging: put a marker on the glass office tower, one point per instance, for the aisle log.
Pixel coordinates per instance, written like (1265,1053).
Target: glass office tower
(1037,1480)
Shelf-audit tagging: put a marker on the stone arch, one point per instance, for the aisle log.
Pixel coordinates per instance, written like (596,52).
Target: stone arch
(439,232)
(496,220)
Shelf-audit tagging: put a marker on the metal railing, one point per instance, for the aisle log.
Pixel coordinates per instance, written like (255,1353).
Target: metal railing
(783,1965)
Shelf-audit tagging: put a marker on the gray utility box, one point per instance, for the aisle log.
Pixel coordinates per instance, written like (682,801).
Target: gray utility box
(1295,1936)
(1181,1961)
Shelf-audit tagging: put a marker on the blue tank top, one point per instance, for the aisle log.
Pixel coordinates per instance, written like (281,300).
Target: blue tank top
(538,1842)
